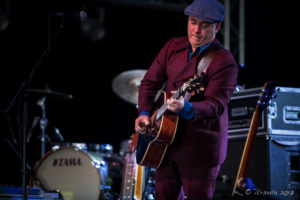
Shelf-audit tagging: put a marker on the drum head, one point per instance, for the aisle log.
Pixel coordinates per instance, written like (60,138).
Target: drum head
(71,171)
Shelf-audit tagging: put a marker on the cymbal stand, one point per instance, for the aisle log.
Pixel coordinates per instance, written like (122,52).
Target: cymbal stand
(43,124)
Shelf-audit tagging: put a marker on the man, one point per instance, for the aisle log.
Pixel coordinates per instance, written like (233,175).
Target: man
(193,159)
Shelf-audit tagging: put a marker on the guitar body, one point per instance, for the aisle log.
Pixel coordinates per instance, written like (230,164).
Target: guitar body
(151,147)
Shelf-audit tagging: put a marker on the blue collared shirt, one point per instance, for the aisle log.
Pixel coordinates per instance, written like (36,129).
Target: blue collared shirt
(198,50)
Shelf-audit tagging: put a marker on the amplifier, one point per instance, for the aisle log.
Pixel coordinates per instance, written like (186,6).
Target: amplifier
(281,117)
(240,111)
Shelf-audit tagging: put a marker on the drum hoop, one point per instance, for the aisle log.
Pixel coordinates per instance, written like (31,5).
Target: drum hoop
(48,153)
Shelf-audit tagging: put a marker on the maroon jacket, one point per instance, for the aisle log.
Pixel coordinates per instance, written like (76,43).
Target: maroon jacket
(202,140)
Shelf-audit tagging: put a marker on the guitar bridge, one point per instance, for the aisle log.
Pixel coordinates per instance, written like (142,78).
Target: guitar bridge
(151,132)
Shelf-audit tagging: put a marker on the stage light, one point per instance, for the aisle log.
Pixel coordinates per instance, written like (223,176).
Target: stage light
(93,27)
(4,20)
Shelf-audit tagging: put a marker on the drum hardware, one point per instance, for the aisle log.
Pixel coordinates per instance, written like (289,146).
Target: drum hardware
(76,145)
(101,148)
(148,192)
(126,85)
(44,120)
(43,124)
(49,93)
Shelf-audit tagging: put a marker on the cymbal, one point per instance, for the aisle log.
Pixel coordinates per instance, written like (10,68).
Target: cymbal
(50,92)
(126,84)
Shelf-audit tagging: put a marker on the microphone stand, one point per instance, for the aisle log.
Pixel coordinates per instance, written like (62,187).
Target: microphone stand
(22,96)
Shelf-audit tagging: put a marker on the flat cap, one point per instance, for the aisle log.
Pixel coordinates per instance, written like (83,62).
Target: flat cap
(207,10)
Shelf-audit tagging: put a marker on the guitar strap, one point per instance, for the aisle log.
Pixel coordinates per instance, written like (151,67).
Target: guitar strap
(204,63)
(209,54)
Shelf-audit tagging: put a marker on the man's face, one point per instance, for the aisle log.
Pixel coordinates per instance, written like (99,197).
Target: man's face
(201,32)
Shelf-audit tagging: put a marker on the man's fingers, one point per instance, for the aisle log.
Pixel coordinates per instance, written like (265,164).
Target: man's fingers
(175,105)
(141,124)
(146,123)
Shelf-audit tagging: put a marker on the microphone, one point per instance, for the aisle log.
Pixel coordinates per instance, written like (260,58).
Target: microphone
(41,102)
(57,132)
(82,15)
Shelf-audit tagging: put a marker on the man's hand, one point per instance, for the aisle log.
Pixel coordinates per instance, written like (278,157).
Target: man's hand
(175,105)
(141,123)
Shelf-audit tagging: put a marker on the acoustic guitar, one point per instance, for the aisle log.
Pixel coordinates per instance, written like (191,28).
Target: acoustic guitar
(151,147)
(266,95)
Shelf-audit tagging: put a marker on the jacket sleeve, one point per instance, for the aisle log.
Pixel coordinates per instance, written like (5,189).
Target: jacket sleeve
(222,79)
(154,79)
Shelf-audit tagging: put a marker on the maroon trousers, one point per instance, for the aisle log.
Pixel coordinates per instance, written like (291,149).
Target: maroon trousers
(198,181)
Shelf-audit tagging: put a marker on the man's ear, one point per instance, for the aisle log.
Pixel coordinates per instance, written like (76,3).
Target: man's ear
(218,26)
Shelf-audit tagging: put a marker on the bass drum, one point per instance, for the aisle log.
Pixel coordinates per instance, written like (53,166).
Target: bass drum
(75,173)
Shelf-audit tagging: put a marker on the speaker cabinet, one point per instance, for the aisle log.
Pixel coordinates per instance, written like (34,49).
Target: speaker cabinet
(257,171)
(284,166)
(274,167)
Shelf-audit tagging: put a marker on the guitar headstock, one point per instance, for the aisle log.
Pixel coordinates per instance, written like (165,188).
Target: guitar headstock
(266,95)
(195,83)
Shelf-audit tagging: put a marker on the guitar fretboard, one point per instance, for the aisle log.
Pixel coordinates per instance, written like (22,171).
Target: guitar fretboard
(164,107)
(129,176)
(197,78)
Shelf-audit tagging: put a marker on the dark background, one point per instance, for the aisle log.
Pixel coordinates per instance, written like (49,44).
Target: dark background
(85,68)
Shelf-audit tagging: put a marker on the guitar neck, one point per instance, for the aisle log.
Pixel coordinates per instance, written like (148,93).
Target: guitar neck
(190,85)
(161,111)
(246,157)
(129,171)
(127,190)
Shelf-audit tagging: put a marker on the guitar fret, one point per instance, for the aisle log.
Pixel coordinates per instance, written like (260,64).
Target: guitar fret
(161,111)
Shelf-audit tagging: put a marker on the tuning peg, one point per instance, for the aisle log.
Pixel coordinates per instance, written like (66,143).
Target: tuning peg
(189,89)
(197,85)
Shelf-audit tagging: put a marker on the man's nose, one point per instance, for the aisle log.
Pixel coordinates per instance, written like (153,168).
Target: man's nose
(197,28)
